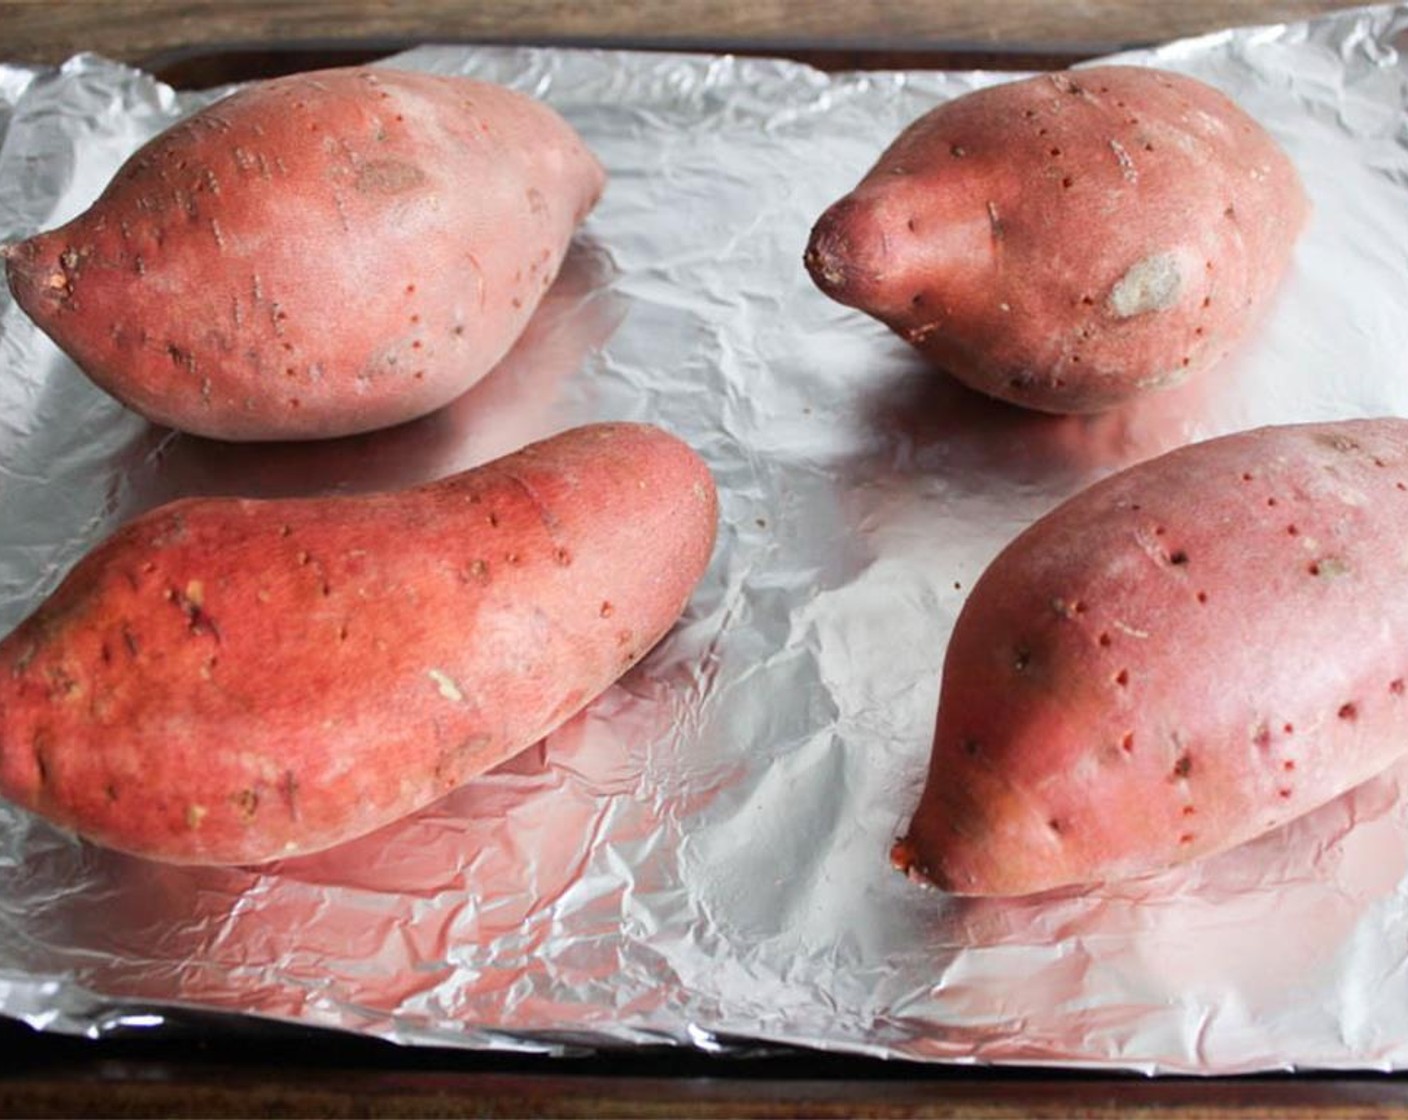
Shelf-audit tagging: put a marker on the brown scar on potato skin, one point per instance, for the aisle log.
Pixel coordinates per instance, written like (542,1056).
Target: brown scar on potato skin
(388,176)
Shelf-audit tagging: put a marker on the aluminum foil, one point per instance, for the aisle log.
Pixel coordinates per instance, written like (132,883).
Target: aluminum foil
(700,858)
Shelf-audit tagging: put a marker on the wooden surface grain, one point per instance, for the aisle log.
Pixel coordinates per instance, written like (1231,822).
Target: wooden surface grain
(48,31)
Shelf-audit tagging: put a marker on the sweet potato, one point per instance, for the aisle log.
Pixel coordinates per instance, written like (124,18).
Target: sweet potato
(1068,241)
(1182,657)
(316,255)
(231,681)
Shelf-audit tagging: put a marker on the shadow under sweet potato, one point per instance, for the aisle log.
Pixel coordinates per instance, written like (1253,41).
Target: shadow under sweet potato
(1205,924)
(926,422)
(514,404)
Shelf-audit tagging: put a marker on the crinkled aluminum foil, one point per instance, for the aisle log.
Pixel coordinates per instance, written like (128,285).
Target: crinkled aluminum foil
(701,857)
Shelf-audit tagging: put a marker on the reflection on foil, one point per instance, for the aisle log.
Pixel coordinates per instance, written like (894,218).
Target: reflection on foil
(700,858)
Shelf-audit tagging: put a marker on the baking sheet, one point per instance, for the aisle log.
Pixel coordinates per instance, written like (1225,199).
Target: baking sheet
(701,858)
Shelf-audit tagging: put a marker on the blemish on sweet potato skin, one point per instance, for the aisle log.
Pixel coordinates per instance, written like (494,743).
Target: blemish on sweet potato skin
(1241,712)
(273,739)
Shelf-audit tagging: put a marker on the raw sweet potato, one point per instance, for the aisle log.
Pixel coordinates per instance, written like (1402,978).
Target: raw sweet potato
(315,255)
(1067,241)
(231,681)
(1186,655)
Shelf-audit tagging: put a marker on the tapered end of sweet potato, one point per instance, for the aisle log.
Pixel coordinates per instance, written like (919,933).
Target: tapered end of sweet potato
(901,253)
(845,254)
(972,836)
(41,272)
(35,276)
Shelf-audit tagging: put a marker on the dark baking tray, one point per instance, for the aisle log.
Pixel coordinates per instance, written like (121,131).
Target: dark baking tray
(228,1066)
(216,1064)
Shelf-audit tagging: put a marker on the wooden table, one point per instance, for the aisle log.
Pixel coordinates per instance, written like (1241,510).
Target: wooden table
(214,1069)
(48,31)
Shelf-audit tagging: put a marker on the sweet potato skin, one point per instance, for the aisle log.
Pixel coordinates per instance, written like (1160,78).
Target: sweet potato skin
(315,255)
(226,681)
(1186,655)
(1068,241)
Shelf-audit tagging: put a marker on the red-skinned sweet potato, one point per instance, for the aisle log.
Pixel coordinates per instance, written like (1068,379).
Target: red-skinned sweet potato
(232,681)
(315,255)
(1182,657)
(1068,241)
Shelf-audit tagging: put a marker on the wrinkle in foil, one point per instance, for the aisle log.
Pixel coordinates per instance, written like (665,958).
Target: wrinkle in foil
(700,858)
